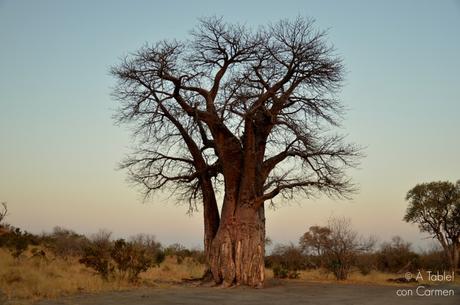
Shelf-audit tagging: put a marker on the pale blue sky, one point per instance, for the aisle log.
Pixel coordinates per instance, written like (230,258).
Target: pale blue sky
(59,147)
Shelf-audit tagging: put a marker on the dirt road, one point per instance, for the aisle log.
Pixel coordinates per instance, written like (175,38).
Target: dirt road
(280,294)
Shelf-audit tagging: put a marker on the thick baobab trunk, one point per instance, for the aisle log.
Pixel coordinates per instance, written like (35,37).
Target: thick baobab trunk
(238,249)
(237,254)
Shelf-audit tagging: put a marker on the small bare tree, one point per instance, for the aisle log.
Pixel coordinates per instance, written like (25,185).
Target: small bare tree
(343,246)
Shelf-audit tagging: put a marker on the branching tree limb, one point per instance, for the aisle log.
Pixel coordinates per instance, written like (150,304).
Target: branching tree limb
(244,112)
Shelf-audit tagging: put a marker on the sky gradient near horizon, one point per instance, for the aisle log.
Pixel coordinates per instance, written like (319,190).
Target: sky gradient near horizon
(59,147)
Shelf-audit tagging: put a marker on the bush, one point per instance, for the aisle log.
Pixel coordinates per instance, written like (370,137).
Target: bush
(366,262)
(396,256)
(434,260)
(66,243)
(13,238)
(128,258)
(96,254)
(286,261)
(315,261)
(198,256)
(138,255)
(151,246)
(340,269)
(17,241)
(180,252)
(279,272)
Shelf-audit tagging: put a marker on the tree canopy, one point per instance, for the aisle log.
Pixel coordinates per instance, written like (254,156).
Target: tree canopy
(189,99)
(435,207)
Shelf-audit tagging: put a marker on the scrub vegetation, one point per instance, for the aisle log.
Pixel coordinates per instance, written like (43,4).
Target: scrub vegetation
(63,262)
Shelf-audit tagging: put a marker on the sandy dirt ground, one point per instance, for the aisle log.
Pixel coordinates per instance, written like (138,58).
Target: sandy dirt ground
(277,293)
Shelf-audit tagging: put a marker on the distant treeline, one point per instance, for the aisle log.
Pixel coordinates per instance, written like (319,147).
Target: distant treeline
(338,249)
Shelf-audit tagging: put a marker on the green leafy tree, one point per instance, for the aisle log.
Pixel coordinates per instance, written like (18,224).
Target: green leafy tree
(314,242)
(435,207)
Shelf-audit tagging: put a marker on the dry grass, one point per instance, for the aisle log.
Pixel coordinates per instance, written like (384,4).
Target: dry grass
(172,272)
(373,278)
(322,276)
(30,278)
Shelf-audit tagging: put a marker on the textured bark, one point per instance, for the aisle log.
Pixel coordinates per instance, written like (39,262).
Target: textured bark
(238,249)
(237,254)
(210,215)
(211,222)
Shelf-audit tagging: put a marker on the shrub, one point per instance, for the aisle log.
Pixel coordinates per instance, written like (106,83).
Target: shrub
(338,267)
(434,259)
(17,241)
(315,261)
(151,246)
(280,272)
(96,254)
(130,259)
(66,243)
(198,256)
(286,260)
(178,251)
(136,256)
(396,256)
(366,262)
(127,258)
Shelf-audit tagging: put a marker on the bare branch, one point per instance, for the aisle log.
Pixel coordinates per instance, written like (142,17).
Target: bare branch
(4,211)
(257,103)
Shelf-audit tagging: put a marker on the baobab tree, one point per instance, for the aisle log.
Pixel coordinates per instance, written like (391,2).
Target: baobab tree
(238,112)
